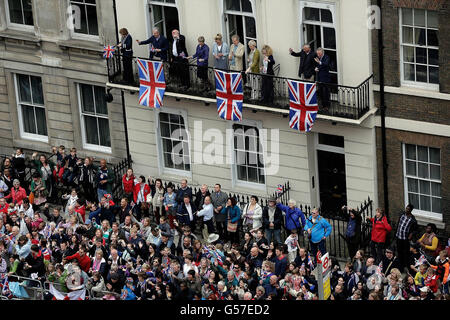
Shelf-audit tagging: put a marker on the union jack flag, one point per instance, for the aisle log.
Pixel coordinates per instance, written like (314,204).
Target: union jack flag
(303,105)
(229,94)
(279,188)
(152,83)
(108,51)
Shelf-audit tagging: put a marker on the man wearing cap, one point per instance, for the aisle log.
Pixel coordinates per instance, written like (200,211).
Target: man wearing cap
(272,220)
(389,262)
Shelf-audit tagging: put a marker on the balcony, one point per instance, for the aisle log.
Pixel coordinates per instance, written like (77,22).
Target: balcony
(346,102)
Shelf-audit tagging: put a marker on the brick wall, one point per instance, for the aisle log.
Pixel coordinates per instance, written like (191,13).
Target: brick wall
(391,40)
(394,141)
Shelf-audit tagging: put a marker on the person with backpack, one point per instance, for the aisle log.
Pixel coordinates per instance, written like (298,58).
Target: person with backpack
(318,229)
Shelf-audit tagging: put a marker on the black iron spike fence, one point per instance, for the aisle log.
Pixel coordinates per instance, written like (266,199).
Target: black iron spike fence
(346,101)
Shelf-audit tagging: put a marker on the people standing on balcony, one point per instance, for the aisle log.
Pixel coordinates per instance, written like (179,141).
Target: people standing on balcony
(318,230)
(126,49)
(307,64)
(158,45)
(178,58)
(272,220)
(219,200)
(253,62)
(236,56)
(202,55)
(380,231)
(267,71)
(323,75)
(220,53)
(406,229)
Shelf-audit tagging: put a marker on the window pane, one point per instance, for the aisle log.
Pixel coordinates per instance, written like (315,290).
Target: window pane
(233,5)
(421,55)
(24,88)
(92,20)
(100,102)
(425,203)
(408,54)
(408,35)
(329,38)
(436,205)
(407,16)
(252,174)
(421,73)
(411,152)
(27,12)
(246,6)
(333,60)
(242,173)
(29,124)
(434,74)
(250,27)
(419,17)
(436,189)
(433,20)
(432,38)
(15,11)
(241,157)
(83,20)
(105,139)
(409,72)
(435,155)
(413,185)
(165,130)
(87,98)
(325,15)
(36,87)
(90,124)
(168,160)
(414,199)
(167,145)
(419,36)
(435,172)
(174,118)
(411,168)
(423,170)
(312,14)
(423,153)
(41,121)
(433,57)
(424,187)
(157,14)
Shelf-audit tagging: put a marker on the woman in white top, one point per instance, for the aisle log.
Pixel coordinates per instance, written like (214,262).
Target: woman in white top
(252,214)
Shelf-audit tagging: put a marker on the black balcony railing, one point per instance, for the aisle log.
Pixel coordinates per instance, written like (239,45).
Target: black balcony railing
(345,101)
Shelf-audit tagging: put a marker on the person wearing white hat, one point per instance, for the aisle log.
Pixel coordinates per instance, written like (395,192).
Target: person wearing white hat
(213,237)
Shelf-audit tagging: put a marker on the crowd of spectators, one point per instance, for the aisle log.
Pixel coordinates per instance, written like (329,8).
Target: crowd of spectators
(161,242)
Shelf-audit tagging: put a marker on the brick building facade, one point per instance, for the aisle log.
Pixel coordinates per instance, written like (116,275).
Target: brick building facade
(417,112)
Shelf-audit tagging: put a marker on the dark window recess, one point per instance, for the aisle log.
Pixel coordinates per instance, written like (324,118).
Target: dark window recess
(331,140)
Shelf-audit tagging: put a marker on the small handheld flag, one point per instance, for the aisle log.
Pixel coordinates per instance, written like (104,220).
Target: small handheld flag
(279,189)
(108,51)
(229,95)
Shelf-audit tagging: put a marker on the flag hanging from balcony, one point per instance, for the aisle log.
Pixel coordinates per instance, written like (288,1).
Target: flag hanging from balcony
(303,105)
(152,83)
(229,95)
(108,51)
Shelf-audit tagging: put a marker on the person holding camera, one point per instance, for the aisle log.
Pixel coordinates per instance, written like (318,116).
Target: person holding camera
(317,229)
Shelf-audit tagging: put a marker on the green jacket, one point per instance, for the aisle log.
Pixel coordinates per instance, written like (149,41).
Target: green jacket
(59,280)
(254,68)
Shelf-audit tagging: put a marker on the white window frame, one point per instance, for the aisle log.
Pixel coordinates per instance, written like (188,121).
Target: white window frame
(18,26)
(83,36)
(242,183)
(23,134)
(242,14)
(409,83)
(162,168)
(150,21)
(89,146)
(417,211)
(335,25)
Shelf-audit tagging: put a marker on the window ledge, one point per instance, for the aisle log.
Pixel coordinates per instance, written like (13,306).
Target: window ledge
(20,35)
(249,186)
(423,218)
(95,46)
(413,91)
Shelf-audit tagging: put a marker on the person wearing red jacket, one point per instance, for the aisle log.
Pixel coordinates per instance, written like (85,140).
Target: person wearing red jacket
(17,193)
(443,270)
(431,280)
(141,190)
(83,260)
(128,184)
(380,230)
(80,208)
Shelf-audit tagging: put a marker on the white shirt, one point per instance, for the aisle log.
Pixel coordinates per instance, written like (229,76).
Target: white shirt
(189,209)
(207,212)
(174,48)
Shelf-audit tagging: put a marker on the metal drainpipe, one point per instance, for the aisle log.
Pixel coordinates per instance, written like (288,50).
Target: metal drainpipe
(383,111)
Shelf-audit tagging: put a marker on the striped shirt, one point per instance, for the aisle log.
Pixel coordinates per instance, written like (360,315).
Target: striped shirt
(404,226)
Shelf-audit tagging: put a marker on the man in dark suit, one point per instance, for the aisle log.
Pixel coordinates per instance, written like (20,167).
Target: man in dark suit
(307,64)
(323,75)
(158,45)
(179,64)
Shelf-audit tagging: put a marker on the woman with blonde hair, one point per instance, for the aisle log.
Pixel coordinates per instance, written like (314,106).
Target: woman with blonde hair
(220,53)
(267,70)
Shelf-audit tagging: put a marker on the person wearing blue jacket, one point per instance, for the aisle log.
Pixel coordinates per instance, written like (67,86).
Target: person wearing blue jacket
(318,230)
(233,213)
(293,215)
